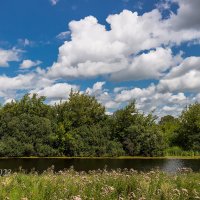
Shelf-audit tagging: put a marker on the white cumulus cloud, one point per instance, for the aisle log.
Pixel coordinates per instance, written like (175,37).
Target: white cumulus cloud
(119,51)
(56,91)
(184,77)
(7,56)
(26,64)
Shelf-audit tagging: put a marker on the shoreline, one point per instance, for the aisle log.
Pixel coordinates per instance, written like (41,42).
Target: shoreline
(121,157)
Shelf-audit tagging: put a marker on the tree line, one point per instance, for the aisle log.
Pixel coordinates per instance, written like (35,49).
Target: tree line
(80,127)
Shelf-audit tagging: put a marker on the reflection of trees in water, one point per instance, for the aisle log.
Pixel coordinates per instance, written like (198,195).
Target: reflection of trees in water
(41,164)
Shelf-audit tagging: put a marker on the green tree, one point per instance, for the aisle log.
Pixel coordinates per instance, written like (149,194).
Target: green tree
(81,110)
(92,141)
(189,129)
(84,110)
(27,123)
(169,126)
(138,133)
(122,119)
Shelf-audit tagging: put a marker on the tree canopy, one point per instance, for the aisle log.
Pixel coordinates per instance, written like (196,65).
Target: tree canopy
(80,127)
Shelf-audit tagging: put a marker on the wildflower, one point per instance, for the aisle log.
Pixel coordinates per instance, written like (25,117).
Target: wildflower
(132,195)
(76,198)
(6,181)
(158,191)
(185,191)
(142,198)
(152,172)
(185,170)
(107,189)
(195,192)
(177,192)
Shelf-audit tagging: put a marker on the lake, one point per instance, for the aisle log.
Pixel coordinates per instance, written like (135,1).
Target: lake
(41,164)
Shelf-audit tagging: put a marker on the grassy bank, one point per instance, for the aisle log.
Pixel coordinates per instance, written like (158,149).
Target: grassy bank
(121,157)
(98,185)
(177,151)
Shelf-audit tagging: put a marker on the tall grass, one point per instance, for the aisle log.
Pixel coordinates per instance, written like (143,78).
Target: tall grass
(177,151)
(99,185)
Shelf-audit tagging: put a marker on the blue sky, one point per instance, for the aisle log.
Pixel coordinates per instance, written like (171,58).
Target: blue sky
(116,50)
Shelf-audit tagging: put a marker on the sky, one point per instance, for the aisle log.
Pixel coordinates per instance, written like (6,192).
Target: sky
(115,50)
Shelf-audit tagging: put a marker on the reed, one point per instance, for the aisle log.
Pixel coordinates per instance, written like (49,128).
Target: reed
(177,151)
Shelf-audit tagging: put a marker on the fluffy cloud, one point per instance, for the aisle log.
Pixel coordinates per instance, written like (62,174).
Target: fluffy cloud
(127,95)
(134,47)
(103,95)
(7,56)
(11,87)
(147,99)
(96,89)
(187,16)
(151,65)
(118,89)
(118,52)
(26,64)
(150,99)
(184,77)
(57,91)
(18,82)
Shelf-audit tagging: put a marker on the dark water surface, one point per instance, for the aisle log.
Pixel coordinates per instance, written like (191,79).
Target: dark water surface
(41,164)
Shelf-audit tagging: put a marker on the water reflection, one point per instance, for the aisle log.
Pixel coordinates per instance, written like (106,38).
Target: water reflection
(41,164)
(173,165)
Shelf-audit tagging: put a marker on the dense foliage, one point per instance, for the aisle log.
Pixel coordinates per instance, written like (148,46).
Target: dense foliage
(80,127)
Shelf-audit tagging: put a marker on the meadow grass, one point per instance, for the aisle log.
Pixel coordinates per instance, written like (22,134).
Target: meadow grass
(100,185)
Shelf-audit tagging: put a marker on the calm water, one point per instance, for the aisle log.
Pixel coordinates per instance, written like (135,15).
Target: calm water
(41,164)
